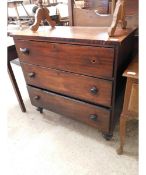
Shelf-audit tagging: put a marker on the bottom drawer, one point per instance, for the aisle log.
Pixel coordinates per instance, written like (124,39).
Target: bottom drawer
(91,114)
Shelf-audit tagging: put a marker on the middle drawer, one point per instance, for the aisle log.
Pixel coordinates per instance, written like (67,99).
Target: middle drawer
(82,87)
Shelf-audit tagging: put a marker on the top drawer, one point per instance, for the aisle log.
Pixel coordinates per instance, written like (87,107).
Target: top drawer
(88,60)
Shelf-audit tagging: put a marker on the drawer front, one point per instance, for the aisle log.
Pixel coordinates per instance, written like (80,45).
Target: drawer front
(94,90)
(90,114)
(87,60)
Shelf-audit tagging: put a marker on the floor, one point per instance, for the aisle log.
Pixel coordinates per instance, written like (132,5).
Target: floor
(51,144)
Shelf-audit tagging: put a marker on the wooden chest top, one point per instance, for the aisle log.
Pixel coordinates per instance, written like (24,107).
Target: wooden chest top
(65,34)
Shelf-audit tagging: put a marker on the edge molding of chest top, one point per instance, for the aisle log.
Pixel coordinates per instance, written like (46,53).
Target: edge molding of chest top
(76,71)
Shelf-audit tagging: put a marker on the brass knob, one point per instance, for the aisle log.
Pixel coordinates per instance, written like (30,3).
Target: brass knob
(31,74)
(94,90)
(93,117)
(24,51)
(36,97)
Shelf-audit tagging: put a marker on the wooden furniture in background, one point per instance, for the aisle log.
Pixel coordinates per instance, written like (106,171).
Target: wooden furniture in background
(102,6)
(41,14)
(14,4)
(76,71)
(130,107)
(12,55)
(125,11)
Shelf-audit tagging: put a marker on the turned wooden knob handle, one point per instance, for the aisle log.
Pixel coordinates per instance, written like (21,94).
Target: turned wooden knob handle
(36,97)
(94,90)
(93,117)
(31,74)
(24,51)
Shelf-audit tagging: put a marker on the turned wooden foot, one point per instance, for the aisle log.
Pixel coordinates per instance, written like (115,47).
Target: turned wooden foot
(40,109)
(107,136)
(120,150)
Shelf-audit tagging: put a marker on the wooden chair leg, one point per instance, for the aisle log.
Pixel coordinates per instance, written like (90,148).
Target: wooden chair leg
(118,16)
(122,134)
(16,89)
(41,14)
(48,18)
(17,13)
(38,19)
(25,10)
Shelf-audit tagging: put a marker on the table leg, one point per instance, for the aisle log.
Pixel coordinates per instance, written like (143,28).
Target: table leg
(25,10)
(122,134)
(17,13)
(15,86)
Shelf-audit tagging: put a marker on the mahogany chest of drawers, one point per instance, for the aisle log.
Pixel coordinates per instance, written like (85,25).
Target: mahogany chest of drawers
(76,71)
